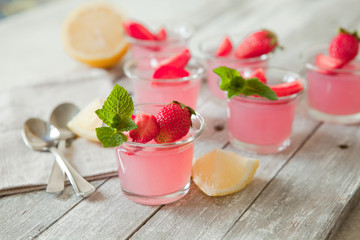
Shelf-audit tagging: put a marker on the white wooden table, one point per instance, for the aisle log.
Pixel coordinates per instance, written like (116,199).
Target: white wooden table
(309,191)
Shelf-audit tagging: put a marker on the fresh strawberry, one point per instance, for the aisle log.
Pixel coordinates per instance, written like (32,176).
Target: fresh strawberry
(170,72)
(344,46)
(328,62)
(224,48)
(161,35)
(259,74)
(257,44)
(179,60)
(175,121)
(138,31)
(288,88)
(147,128)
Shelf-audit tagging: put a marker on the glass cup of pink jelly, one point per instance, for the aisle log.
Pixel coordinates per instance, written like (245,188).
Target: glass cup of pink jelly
(260,125)
(146,89)
(333,94)
(156,174)
(208,49)
(178,37)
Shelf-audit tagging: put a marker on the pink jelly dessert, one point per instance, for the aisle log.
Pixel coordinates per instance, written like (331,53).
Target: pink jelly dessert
(334,80)
(261,125)
(145,42)
(159,171)
(221,52)
(165,78)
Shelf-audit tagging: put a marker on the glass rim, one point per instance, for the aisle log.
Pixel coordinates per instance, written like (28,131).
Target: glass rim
(308,55)
(171,144)
(131,62)
(283,98)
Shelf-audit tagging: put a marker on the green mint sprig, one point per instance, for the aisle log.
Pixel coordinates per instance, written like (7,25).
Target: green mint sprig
(235,84)
(116,114)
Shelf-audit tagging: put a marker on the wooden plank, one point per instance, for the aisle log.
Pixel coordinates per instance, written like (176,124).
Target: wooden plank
(311,194)
(24,216)
(107,214)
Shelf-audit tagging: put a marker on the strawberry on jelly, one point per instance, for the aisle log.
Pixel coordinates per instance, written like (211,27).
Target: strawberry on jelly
(180,60)
(259,74)
(147,128)
(329,62)
(170,72)
(224,48)
(287,89)
(161,35)
(138,31)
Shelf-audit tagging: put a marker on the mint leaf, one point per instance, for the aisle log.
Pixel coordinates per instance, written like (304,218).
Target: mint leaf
(234,84)
(109,137)
(116,114)
(255,87)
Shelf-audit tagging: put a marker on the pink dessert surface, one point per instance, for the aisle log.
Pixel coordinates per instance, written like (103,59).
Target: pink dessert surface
(173,79)
(260,122)
(154,171)
(336,92)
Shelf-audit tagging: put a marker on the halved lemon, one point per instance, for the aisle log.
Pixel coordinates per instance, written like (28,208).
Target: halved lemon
(222,172)
(86,121)
(93,34)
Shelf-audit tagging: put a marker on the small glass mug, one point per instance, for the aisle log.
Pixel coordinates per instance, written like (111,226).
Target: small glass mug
(155,174)
(208,49)
(261,125)
(146,89)
(333,94)
(178,37)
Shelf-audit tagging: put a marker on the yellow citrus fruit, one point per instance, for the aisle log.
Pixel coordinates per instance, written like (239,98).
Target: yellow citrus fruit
(86,121)
(221,172)
(93,34)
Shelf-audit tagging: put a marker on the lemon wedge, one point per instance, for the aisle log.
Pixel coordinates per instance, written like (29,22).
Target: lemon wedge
(86,121)
(222,172)
(93,34)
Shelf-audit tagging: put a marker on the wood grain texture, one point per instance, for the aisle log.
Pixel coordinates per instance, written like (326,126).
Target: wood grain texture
(24,216)
(309,195)
(304,192)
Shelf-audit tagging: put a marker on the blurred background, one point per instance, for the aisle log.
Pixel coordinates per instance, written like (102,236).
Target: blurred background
(10,7)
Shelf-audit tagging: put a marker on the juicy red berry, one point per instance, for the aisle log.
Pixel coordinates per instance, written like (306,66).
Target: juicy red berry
(170,72)
(224,48)
(257,44)
(259,74)
(175,121)
(147,128)
(179,60)
(138,31)
(161,35)
(329,62)
(344,46)
(287,89)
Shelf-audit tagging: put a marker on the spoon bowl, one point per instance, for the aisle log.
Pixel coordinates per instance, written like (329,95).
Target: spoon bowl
(41,136)
(60,117)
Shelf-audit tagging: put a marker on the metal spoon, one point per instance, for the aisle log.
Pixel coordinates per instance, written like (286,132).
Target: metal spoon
(59,117)
(42,136)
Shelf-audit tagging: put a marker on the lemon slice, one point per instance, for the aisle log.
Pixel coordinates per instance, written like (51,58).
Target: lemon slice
(93,34)
(221,172)
(86,121)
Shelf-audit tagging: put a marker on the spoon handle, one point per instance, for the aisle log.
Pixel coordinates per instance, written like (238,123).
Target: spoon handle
(81,187)
(57,176)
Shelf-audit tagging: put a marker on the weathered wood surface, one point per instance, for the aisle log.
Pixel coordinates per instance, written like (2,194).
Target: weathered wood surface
(304,192)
